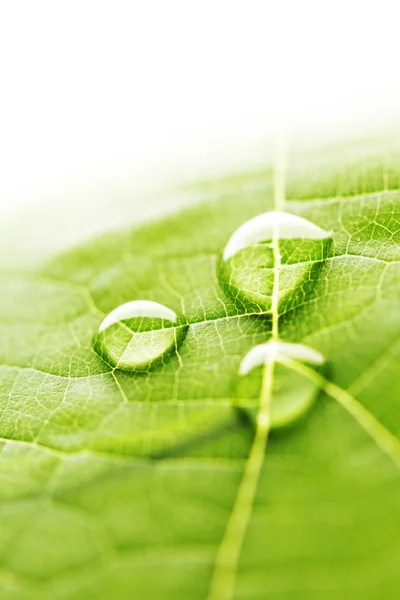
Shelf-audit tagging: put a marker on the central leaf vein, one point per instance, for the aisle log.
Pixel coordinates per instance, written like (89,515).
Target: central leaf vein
(223,580)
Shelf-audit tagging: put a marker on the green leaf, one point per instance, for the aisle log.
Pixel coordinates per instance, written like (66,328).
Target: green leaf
(124,485)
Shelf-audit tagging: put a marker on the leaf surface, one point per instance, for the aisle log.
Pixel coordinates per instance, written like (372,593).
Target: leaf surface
(122,485)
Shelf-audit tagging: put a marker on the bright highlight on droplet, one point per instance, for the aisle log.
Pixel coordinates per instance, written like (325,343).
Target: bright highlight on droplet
(293,394)
(271,225)
(138,308)
(277,351)
(246,270)
(138,335)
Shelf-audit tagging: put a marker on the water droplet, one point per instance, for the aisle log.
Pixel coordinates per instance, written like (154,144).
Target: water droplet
(247,266)
(138,335)
(293,393)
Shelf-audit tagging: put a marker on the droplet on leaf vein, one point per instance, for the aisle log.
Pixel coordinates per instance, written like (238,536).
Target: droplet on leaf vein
(247,267)
(293,394)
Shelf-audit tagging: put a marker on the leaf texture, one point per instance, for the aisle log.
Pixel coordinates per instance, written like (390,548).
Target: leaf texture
(122,485)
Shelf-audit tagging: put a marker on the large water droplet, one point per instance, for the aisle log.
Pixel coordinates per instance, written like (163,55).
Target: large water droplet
(138,335)
(293,394)
(247,266)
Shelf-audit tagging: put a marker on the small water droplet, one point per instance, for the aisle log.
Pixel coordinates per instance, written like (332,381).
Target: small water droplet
(247,267)
(138,335)
(293,394)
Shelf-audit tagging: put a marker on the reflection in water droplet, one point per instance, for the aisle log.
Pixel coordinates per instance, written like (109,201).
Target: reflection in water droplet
(246,270)
(293,393)
(138,335)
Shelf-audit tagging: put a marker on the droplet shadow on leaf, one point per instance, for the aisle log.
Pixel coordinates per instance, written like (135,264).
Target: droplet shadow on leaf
(226,437)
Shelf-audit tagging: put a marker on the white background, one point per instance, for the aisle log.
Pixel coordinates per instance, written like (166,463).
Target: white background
(99,97)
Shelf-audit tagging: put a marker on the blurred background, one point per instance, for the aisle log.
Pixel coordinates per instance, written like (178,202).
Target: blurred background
(105,103)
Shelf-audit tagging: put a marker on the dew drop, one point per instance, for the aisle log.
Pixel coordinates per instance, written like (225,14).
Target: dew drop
(293,394)
(246,270)
(138,335)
